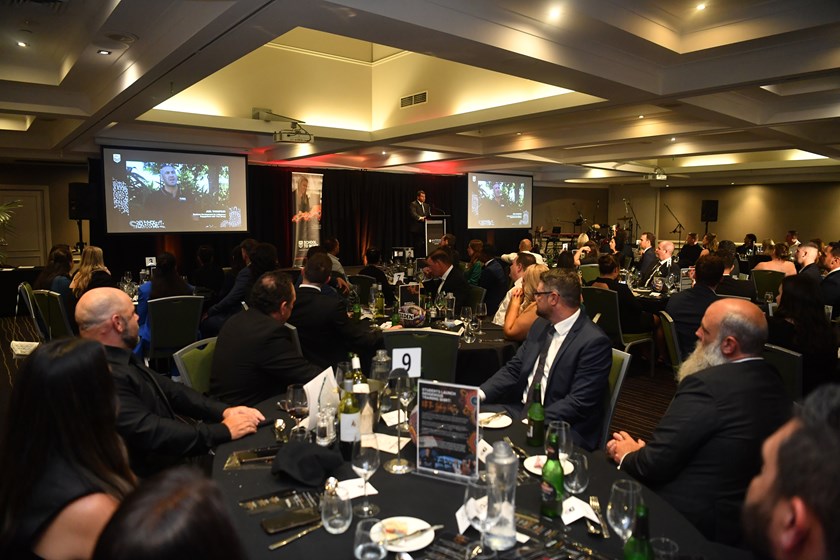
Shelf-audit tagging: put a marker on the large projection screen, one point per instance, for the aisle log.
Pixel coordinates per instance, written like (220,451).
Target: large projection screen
(499,201)
(170,191)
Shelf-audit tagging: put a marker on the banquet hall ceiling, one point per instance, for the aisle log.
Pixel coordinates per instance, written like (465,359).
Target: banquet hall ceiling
(597,92)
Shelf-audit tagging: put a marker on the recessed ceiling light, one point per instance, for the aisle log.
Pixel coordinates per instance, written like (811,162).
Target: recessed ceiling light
(103,52)
(673,139)
(22,44)
(519,134)
(384,153)
(701,6)
(641,116)
(554,13)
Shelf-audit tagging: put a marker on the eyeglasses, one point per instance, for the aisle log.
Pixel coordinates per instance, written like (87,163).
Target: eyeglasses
(545,293)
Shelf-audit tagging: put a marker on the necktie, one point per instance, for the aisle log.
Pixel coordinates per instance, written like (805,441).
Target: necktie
(548,336)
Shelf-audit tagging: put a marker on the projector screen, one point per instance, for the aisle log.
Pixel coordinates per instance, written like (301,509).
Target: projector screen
(160,191)
(499,201)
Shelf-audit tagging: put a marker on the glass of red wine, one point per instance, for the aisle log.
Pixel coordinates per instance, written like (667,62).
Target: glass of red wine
(296,403)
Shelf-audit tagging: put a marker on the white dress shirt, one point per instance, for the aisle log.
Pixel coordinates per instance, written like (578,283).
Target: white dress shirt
(561,330)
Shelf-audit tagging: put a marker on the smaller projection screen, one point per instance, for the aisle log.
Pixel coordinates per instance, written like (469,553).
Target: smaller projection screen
(165,191)
(499,201)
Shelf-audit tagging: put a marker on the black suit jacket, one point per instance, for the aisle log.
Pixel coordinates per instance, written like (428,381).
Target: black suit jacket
(689,255)
(255,358)
(326,333)
(731,287)
(381,278)
(646,260)
(495,281)
(417,210)
(687,309)
(577,380)
(151,408)
(811,270)
(664,270)
(830,290)
(455,283)
(707,447)
(633,319)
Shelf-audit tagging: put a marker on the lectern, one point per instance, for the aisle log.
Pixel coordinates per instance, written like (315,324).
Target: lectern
(435,229)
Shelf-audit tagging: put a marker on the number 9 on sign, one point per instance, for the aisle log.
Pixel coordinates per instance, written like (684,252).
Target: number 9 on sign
(408,359)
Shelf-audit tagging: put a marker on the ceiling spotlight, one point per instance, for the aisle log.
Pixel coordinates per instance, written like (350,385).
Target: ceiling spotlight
(384,153)
(673,138)
(22,44)
(701,6)
(103,52)
(554,13)
(641,116)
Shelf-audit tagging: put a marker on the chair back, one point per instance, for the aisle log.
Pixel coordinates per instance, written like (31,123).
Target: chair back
(25,293)
(789,365)
(672,343)
(173,323)
(439,350)
(589,272)
(295,338)
(599,301)
(194,363)
(55,316)
(767,281)
(363,282)
(476,296)
(620,363)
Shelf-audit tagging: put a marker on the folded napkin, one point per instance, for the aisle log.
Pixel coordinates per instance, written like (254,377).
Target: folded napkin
(305,462)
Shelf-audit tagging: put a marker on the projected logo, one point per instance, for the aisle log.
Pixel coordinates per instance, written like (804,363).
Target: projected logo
(117,157)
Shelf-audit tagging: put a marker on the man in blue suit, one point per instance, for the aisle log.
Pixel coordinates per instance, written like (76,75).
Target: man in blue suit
(567,353)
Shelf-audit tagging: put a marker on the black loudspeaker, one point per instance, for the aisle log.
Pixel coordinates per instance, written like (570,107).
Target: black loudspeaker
(80,201)
(708,211)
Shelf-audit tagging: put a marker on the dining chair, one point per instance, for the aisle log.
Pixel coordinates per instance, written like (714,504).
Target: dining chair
(439,350)
(620,363)
(672,343)
(363,282)
(476,296)
(789,365)
(599,301)
(173,324)
(55,315)
(295,338)
(25,293)
(766,281)
(589,272)
(194,363)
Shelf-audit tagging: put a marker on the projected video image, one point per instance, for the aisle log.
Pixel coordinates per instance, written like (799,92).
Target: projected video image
(498,201)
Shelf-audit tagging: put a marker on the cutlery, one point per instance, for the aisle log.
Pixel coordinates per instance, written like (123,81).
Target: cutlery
(485,421)
(295,537)
(593,529)
(412,534)
(521,453)
(596,507)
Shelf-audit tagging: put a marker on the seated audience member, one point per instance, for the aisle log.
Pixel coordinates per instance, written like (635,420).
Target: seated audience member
(730,286)
(633,319)
(748,247)
(176,514)
(790,512)
(493,279)
(373,258)
(448,242)
(522,310)
(239,260)
(63,464)
(92,273)
(56,277)
(710,244)
(152,408)
(472,273)
(706,448)
(446,277)
(209,277)
(586,254)
(799,324)
(688,306)
(779,261)
(326,333)
(807,257)
(567,353)
(791,239)
(338,275)
(566,260)
(165,282)
(623,249)
(255,356)
(830,285)
(525,246)
(647,254)
(517,271)
(664,264)
(690,252)
(728,246)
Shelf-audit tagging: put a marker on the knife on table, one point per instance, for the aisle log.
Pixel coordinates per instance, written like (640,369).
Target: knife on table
(412,534)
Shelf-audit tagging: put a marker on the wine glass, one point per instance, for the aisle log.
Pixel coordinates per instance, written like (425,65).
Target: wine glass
(466,314)
(342,369)
(402,387)
(564,438)
(365,461)
(440,303)
(625,496)
(481,314)
(296,403)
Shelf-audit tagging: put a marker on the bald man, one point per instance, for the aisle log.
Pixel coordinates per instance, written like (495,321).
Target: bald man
(707,447)
(153,410)
(663,266)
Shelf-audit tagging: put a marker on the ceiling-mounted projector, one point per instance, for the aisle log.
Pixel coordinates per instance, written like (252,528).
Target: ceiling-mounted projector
(296,136)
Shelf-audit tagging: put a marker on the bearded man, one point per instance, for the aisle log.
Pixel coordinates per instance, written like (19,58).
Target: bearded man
(707,447)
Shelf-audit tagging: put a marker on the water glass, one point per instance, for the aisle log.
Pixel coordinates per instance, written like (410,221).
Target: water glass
(576,481)
(325,428)
(829,310)
(336,511)
(625,496)
(365,547)
(564,437)
(769,297)
(664,549)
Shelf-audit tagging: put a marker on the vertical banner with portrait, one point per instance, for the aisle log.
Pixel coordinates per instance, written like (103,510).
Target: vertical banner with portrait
(306,191)
(447,434)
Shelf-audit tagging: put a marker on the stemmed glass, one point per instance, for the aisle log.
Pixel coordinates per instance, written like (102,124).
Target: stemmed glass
(564,438)
(481,314)
(402,387)
(365,461)
(440,303)
(466,314)
(625,496)
(296,403)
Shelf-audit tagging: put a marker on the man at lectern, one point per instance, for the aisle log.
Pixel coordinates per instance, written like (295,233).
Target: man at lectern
(419,211)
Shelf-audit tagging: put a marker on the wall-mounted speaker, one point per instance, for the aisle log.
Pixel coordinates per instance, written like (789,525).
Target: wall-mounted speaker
(80,201)
(709,211)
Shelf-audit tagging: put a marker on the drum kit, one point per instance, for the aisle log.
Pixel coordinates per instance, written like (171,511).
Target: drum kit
(599,233)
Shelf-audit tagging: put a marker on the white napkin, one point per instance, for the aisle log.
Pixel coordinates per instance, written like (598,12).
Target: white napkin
(388,443)
(355,488)
(394,417)
(574,508)
(320,391)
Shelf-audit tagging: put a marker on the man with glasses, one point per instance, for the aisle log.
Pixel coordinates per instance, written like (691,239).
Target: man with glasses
(566,353)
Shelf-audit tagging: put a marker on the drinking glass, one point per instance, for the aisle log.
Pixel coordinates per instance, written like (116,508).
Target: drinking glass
(664,548)
(296,403)
(829,311)
(440,303)
(475,501)
(466,314)
(402,387)
(576,481)
(481,314)
(769,298)
(365,461)
(625,496)
(365,547)
(342,369)
(564,437)
(336,511)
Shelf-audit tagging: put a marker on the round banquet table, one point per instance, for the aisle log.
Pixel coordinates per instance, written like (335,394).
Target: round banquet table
(479,360)
(433,499)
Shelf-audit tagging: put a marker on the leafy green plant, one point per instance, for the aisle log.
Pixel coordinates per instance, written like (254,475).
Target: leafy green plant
(7,212)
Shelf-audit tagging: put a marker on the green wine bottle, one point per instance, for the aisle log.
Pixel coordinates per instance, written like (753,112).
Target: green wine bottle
(356,365)
(552,480)
(638,546)
(536,418)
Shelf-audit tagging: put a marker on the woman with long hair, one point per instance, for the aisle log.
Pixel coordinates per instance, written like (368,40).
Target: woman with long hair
(474,251)
(56,276)
(800,324)
(522,310)
(779,260)
(710,244)
(92,272)
(165,282)
(63,468)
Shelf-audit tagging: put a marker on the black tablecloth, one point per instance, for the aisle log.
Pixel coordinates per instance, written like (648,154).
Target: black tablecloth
(481,359)
(431,499)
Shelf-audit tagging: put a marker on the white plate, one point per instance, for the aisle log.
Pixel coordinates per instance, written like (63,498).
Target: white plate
(502,421)
(534,465)
(403,526)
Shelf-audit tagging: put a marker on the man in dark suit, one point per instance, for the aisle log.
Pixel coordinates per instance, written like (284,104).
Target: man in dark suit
(255,356)
(687,307)
(326,333)
(418,212)
(729,286)
(647,256)
(806,257)
(830,285)
(663,265)
(152,408)
(706,448)
(690,252)
(632,317)
(567,353)
(447,278)
(493,279)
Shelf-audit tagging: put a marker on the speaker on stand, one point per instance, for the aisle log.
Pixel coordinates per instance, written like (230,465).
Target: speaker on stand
(708,212)
(79,204)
